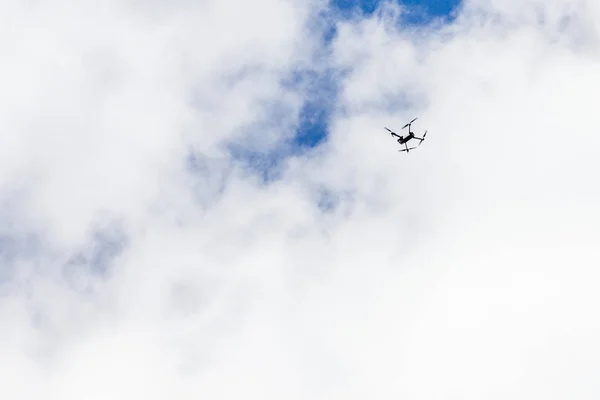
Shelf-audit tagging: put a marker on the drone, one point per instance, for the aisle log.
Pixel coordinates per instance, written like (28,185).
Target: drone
(404,139)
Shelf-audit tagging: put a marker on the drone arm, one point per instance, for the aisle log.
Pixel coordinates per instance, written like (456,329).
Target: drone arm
(392,133)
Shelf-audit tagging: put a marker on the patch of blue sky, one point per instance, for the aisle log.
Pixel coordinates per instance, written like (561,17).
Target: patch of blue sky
(321,91)
(420,11)
(318,86)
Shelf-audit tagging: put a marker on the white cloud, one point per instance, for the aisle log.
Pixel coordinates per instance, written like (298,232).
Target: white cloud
(463,270)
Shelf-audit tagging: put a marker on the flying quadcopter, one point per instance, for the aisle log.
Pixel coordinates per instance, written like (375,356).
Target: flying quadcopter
(404,139)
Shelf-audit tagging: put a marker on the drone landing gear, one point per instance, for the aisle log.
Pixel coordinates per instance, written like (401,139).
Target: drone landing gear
(423,138)
(407,149)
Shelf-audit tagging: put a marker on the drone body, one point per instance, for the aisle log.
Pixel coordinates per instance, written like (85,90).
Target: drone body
(403,140)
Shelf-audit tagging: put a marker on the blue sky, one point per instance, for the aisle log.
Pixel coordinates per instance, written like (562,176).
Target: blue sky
(432,8)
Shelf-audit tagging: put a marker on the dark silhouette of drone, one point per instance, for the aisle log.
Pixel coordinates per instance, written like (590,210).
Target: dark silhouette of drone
(404,139)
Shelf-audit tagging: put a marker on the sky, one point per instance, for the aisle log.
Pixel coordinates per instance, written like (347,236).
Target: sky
(198,198)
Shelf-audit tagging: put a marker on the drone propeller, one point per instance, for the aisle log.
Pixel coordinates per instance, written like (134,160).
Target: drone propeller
(410,148)
(409,123)
(421,140)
